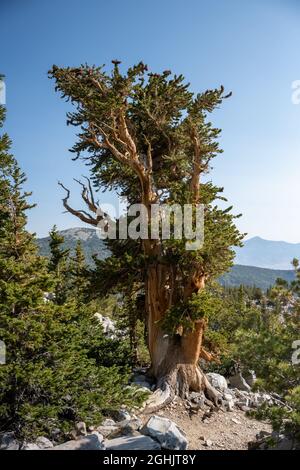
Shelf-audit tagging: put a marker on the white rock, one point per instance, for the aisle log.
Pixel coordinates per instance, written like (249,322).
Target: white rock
(30,446)
(217,380)
(236,421)
(166,432)
(108,422)
(127,427)
(43,442)
(93,441)
(230,404)
(107,430)
(132,443)
(243,402)
(208,443)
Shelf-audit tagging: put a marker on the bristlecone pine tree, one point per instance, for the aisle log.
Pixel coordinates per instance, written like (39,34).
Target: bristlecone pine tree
(147,136)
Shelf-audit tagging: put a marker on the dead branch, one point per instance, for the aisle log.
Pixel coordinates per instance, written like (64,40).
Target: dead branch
(82,215)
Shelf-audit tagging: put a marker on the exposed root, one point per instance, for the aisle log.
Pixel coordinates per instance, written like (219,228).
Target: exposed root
(162,396)
(211,393)
(179,383)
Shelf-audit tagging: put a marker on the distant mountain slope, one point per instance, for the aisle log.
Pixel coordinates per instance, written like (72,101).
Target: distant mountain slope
(91,244)
(253,276)
(239,274)
(267,254)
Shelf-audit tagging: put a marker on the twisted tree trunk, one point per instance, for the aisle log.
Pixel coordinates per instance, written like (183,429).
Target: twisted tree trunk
(174,358)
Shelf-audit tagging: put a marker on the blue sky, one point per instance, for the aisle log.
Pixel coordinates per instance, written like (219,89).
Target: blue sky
(252,48)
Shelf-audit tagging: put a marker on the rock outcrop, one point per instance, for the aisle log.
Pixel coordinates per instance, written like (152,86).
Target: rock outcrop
(166,432)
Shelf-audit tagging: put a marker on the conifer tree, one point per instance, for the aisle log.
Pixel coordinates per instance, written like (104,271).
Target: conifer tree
(59,265)
(147,136)
(79,274)
(53,373)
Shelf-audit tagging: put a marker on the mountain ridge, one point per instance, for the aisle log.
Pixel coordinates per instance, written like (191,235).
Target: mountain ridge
(270,254)
(241,273)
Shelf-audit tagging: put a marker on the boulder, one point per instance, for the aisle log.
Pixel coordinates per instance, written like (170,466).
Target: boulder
(274,441)
(107,430)
(238,381)
(108,422)
(9,442)
(218,381)
(107,427)
(30,446)
(228,402)
(285,443)
(93,441)
(43,442)
(129,426)
(166,432)
(138,442)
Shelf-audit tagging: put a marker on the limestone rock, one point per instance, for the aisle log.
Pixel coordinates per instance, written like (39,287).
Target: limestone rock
(166,433)
(43,442)
(93,441)
(107,430)
(132,443)
(218,381)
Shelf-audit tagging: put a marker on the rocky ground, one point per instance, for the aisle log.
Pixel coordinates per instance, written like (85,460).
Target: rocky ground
(220,431)
(194,423)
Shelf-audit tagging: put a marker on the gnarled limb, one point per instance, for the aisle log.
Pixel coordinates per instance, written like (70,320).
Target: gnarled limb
(88,197)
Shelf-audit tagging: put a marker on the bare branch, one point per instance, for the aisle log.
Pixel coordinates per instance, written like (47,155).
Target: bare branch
(83,216)
(87,196)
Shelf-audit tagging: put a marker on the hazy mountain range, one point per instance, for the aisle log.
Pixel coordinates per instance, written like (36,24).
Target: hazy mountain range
(259,262)
(90,242)
(267,253)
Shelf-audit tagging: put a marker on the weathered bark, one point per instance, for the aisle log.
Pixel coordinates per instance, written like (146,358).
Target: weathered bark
(174,358)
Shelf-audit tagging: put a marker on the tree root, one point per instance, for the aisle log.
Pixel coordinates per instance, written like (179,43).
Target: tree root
(211,393)
(176,384)
(162,396)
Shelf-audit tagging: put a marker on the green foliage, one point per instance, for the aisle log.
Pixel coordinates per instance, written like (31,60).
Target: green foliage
(60,367)
(164,121)
(285,420)
(201,305)
(58,265)
(256,330)
(253,276)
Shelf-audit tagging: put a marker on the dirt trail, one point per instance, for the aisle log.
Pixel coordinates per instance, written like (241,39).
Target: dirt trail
(221,431)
